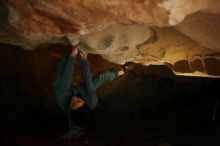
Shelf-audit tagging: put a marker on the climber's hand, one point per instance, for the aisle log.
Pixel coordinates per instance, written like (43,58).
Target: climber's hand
(74,51)
(83,55)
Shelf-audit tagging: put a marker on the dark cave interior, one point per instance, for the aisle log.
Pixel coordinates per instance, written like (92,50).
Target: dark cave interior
(150,106)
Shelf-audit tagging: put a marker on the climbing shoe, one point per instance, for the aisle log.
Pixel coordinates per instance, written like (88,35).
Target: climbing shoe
(128,66)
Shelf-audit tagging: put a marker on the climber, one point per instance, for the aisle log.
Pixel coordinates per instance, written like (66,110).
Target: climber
(79,101)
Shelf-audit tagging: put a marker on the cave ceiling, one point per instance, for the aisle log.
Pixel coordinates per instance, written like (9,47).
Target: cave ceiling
(182,34)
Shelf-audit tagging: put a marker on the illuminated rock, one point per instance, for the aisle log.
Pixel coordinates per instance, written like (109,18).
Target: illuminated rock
(121,30)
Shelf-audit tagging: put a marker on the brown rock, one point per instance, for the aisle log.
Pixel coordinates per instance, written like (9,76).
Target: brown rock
(212,66)
(182,66)
(196,65)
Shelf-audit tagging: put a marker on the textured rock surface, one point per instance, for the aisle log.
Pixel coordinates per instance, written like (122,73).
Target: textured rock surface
(179,9)
(202,28)
(115,29)
(119,43)
(181,54)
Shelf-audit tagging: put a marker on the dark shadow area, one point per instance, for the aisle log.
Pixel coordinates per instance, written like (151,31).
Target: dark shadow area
(150,106)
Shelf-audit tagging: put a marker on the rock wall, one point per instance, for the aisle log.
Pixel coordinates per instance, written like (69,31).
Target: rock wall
(121,30)
(203,28)
(181,54)
(121,43)
(179,9)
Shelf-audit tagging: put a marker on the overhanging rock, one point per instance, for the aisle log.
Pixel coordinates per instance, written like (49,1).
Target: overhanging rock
(153,46)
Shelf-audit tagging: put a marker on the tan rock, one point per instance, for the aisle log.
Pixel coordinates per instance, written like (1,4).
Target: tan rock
(122,30)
